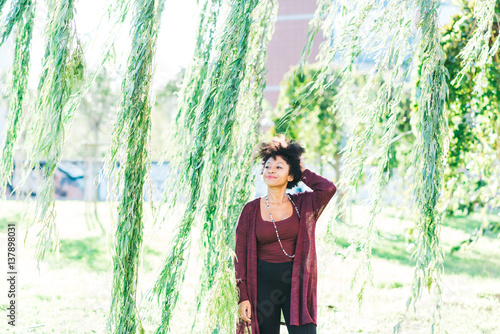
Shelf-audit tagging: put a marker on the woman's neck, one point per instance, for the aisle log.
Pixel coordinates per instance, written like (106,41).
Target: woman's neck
(276,196)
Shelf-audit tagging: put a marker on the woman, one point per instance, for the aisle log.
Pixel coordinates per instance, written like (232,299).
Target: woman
(275,244)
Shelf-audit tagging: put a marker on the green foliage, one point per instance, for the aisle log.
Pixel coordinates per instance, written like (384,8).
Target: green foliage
(392,34)
(20,74)
(319,122)
(317,125)
(191,94)
(384,32)
(484,43)
(224,207)
(134,124)
(429,155)
(61,87)
(61,65)
(60,90)
(472,170)
(217,129)
(210,156)
(2,3)
(222,307)
(16,13)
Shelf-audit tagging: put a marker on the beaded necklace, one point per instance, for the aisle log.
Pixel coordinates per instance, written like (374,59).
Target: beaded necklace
(276,229)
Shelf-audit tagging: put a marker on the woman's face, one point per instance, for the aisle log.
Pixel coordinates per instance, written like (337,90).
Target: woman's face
(276,171)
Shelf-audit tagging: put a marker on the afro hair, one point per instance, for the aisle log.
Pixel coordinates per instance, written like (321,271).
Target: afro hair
(289,150)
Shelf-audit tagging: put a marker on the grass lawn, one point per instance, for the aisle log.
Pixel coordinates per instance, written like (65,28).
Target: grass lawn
(71,294)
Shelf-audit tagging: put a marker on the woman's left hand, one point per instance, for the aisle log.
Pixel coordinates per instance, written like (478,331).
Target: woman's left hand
(302,168)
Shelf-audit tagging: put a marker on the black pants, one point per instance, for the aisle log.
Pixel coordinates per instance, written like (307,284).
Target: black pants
(274,282)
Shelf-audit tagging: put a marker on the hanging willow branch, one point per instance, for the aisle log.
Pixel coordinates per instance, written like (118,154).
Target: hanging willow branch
(381,97)
(17,9)
(134,124)
(430,152)
(478,52)
(20,74)
(189,100)
(207,243)
(198,69)
(384,32)
(232,178)
(319,20)
(351,21)
(2,2)
(220,94)
(62,76)
(60,90)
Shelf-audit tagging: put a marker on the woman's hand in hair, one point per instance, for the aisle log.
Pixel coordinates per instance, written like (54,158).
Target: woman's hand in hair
(302,168)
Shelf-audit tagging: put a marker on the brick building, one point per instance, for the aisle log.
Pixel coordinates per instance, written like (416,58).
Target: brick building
(286,45)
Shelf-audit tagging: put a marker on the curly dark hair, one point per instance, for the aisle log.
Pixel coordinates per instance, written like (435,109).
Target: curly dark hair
(289,150)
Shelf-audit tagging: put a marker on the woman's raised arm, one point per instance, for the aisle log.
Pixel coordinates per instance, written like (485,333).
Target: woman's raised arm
(323,190)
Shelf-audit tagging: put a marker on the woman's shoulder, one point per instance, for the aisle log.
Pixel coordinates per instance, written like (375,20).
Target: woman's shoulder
(299,195)
(302,198)
(251,204)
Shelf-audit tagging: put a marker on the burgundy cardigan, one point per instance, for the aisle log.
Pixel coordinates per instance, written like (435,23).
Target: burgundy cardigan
(303,306)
